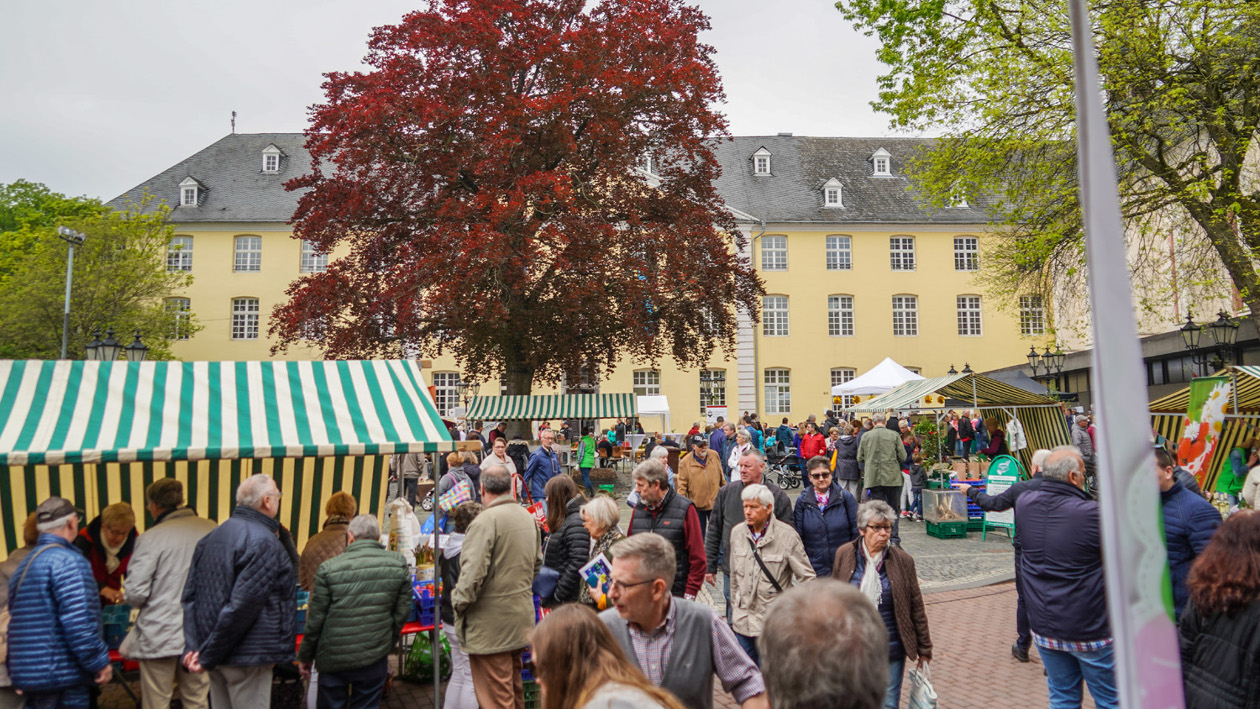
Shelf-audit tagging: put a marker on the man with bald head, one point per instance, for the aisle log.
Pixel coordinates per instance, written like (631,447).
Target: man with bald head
(1064,589)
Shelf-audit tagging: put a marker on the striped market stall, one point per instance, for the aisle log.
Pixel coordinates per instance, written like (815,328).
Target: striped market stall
(100,432)
(552,406)
(1242,416)
(1042,418)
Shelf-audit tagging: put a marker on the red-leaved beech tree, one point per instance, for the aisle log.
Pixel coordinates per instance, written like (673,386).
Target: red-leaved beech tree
(527,184)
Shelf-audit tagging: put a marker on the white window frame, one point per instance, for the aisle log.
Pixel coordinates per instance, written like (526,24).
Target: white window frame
(970,316)
(905,315)
(646,382)
(966,253)
(775,316)
(881,163)
(842,375)
(839,252)
(1032,315)
(833,194)
(313,261)
(774,252)
(268,154)
(840,315)
(445,391)
(180,310)
(901,253)
(761,163)
(179,254)
(777,382)
(712,388)
(189,193)
(915,370)
(245,311)
(247,254)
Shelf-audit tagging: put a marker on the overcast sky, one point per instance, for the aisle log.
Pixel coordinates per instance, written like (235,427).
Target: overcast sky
(99,97)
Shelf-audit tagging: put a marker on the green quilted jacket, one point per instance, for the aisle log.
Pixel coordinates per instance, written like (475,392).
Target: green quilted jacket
(361,600)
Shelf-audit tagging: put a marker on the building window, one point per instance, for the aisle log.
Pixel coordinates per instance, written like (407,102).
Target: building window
(966,253)
(914,370)
(969,315)
(712,388)
(271,159)
(645,163)
(179,254)
(840,375)
(840,315)
(833,197)
(647,382)
(180,311)
(839,253)
(833,193)
(881,163)
(778,391)
(901,249)
(248,254)
(774,253)
(905,315)
(313,261)
(189,192)
(445,391)
(774,316)
(761,162)
(244,318)
(1032,315)
(189,198)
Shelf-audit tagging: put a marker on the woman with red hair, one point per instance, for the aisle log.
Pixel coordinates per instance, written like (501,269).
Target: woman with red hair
(1220,629)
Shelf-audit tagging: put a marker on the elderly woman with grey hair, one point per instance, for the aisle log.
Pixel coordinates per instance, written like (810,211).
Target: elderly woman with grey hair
(767,557)
(600,517)
(743,444)
(885,574)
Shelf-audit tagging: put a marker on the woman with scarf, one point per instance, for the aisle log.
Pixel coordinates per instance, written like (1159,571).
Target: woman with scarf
(885,574)
(743,442)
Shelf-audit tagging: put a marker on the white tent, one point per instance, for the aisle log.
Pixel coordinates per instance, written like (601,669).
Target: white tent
(654,406)
(881,378)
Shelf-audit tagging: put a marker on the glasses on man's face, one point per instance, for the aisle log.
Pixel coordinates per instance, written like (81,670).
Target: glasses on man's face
(819,476)
(881,528)
(621,586)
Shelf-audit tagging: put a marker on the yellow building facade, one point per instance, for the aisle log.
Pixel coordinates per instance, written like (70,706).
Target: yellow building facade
(855,270)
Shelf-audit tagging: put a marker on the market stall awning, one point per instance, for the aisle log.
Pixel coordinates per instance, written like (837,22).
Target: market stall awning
(1246,392)
(974,389)
(881,378)
(551,406)
(54,412)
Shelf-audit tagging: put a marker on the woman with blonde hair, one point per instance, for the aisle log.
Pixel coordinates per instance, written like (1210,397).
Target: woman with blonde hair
(580,665)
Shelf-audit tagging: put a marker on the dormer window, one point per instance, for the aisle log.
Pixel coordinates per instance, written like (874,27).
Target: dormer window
(271,159)
(833,193)
(646,164)
(189,193)
(882,162)
(761,162)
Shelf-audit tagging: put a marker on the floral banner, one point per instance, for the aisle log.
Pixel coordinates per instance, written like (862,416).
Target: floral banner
(1205,418)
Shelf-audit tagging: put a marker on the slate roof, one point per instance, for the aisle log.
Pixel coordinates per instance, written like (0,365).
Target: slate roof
(238,191)
(800,166)
(236,188)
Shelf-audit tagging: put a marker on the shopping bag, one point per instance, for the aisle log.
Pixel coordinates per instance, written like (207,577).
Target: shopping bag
(960,467)
(984,468)
(973,470)
(540,515)
(418,666)
(922,695)
(457,495)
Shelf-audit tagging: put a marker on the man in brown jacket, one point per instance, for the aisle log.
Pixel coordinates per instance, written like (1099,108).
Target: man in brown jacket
(493,600)
(330,542)
(699,478)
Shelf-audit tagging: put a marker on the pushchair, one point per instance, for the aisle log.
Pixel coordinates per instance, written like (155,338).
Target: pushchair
(783,466)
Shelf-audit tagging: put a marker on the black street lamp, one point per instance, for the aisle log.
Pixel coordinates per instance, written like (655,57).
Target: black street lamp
(1050,362)
(136,351)
(952,371)
(1223,333)
(107,350)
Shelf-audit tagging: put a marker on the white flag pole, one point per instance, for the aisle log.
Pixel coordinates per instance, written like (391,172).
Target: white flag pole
(1147,660)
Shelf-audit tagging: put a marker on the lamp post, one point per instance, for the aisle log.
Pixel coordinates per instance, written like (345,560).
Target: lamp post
(467,390)
(73,238)
(1051,362)
(1223,334)
(107,350)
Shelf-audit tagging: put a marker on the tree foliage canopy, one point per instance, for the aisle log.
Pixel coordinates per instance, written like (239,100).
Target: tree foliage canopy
(485,174)
(24,208)
(120,282)
(1181,84)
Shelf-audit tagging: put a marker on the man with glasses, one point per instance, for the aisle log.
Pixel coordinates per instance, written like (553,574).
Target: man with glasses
(544,464)
(239,600)
(678,644)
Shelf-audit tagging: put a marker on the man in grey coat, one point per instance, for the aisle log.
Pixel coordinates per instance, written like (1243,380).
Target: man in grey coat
(155,584)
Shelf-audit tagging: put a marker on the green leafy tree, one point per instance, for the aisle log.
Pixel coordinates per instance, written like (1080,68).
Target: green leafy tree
(1181,84)
(24,208)
(120,282)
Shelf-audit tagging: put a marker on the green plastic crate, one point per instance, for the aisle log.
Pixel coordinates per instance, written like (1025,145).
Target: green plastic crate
(975,524)
(533,697)
(947,530)
(606,489)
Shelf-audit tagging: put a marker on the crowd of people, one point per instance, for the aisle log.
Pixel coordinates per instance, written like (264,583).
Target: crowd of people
(822,604)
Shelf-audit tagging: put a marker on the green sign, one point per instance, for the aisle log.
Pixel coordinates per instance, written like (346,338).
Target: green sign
(1004,472)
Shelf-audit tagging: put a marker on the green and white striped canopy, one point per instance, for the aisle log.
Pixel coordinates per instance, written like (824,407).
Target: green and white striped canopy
(551,406)
(974,389)
(54,412)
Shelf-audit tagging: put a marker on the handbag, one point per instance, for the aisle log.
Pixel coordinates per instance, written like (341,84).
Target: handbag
(544,585)
(764,570)
(457,495)
(922,695)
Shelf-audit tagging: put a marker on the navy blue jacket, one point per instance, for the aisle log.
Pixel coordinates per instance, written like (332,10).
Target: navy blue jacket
(1062,562)
(55,636)
(239,600)
(823,531)
(1189,523)
(543,465)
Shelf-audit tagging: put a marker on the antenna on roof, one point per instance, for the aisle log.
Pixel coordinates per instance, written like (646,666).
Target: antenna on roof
(233,121)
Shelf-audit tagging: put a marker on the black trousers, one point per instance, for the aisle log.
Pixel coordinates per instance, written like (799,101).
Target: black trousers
(356,689)
(1021,611)
(892,495)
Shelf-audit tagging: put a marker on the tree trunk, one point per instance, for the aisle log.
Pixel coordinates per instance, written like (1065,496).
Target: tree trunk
(519,380)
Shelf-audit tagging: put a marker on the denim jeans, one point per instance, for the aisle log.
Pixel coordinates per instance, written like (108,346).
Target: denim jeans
(896,670)
(917,505)
(1066,669)
(70,698)
(356,689)
(586,481)
(750,648)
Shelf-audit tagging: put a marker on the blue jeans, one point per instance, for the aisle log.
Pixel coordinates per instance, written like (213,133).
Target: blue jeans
(586,481)
(750,648)
(69,698)
(356,689)
(1064,671)
(917,506)
(896,670)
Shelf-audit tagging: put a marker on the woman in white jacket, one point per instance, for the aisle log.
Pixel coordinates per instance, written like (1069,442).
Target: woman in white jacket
(742,445)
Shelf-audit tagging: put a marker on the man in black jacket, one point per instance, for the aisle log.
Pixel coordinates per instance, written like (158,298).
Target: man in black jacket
(662,510)
(728,511)
(1000,503)
(239,601)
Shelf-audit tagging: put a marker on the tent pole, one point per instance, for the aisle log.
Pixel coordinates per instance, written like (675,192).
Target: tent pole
(437,603)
